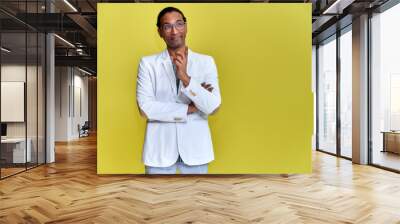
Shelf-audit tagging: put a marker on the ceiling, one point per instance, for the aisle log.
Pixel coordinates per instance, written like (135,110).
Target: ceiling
(76,22)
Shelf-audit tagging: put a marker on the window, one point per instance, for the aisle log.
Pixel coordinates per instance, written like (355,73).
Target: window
(327,95)
(385,88)
(346,93)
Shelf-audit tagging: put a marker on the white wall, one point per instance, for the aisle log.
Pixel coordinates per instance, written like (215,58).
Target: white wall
(80,84)
(71,94)
(62,81)
(12,73)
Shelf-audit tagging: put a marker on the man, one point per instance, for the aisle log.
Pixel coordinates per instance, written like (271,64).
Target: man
(176,91)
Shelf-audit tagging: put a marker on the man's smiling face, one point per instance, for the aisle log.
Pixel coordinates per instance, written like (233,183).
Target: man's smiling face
(173,30)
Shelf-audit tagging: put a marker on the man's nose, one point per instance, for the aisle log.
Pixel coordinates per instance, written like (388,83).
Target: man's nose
(174,30)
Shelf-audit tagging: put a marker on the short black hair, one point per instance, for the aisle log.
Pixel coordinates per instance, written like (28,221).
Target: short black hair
(167,10)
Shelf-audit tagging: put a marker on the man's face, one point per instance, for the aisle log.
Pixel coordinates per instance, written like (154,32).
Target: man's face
(172,30)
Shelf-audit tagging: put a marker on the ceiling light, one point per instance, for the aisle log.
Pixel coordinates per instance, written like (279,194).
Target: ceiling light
(84,71)
(337,7)
(65,41)
(70,5)
(5,50)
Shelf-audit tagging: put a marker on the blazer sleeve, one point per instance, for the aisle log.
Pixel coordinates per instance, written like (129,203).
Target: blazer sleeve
(207,102)
(149,107)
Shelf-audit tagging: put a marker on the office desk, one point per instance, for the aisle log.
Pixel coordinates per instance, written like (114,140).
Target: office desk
(16,147)
(391,141)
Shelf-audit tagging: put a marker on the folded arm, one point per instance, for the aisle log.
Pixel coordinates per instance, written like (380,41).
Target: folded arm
(206,101)
(152,109)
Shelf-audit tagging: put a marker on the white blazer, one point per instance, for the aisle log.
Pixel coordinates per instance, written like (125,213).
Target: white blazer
(169,129)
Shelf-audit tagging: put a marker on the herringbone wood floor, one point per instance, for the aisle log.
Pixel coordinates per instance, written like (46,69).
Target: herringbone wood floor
(69,191)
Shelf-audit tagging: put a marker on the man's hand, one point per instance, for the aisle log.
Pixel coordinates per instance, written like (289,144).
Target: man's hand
(180,61)
(192,108)
(207,86)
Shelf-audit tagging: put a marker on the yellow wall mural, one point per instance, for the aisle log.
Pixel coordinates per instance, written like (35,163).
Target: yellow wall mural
(263,56)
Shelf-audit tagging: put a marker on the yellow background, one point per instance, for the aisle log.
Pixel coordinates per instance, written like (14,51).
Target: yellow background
(263,56)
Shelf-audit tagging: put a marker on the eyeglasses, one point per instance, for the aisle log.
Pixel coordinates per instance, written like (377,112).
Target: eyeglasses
(180,25)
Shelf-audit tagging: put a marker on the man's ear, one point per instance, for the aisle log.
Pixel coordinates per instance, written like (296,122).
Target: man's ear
(159,32)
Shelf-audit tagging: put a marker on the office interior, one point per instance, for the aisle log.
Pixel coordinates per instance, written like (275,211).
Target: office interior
(48,80)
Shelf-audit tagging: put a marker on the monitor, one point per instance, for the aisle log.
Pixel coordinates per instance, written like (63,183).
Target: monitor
(3,129)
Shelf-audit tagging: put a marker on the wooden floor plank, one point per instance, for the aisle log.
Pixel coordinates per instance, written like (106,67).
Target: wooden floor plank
(70,191)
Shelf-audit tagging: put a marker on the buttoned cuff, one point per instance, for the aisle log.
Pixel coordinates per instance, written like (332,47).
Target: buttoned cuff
(190,90)
(182,115)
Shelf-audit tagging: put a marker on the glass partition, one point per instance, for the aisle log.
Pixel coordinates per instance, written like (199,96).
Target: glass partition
(22,77)
(14,153)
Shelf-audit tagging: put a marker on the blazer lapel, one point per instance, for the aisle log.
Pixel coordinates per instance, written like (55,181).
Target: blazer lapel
(169,71)
(189,61)
(181,96)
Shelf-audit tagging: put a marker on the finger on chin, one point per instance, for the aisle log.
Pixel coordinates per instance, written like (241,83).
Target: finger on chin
(178,61)
(180,57)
